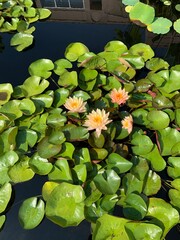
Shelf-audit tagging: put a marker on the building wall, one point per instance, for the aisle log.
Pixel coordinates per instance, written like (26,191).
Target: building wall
(112,12)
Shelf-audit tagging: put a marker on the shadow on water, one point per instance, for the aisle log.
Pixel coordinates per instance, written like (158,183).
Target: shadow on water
(51,39)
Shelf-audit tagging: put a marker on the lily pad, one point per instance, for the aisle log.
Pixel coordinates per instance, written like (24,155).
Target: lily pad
(142,49)
(31,213)
(75,50)
(6,90)
(65,205)
(160,25)
(41,68)
(21,41)
(5,196)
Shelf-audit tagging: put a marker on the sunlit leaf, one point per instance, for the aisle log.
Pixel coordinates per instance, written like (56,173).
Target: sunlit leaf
(34,85)
(40,165)
(167,138)
(65,205)
(5,92)
(173,169)
(160,25)
(143,50)
(152,184)
(60,171)
(41,68)
(5,196)
(142,144)
(110,227)
(158,120)
(75,50)
(20,171)
(162,214)
(118,163)
(21,41)
(2,220)
(31,213)
(60,66)
(116,46)
(143,230)
(143,13)
(43,13)
(177,25)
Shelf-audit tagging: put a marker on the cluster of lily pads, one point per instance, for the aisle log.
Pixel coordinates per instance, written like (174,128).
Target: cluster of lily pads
(158,16)
(16,17)
(88,177)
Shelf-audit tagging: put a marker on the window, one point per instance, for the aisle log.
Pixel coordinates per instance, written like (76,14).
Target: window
(96,4)
(63,3)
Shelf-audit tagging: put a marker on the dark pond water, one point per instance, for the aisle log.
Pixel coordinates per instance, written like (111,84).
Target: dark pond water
(51,39)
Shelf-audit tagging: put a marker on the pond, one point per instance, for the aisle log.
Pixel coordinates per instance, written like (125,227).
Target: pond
(51,39)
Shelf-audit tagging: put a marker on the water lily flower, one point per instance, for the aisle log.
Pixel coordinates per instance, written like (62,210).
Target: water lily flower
(97,120)
(127,123)
(75,104)
(119,96)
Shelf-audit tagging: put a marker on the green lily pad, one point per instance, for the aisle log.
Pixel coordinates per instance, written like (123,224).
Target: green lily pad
(43,13)
(68,80)
(116,46)
(160,25)
(27,106)
(98,153)
(74,133)
(110,227)
(11,109)
(118,163)
(143,230)
(67,150)
(5,92)
(40,165)
(65,205)
(82,156)
(143,50)
(177,25)
(61,171)
(174,196)
(107,182)
(134,207)
(20,171)
(75,50)
(41,68)
(5,196)
(152,184)
(156,160)
(31,213)
(143,13)
(156,64)
(167,138)
(158,120)
(60,66)
(34,85)
(162,214)
(173,169)
(131,184)
(140,167)
(2,220)
(47,188)
(21,41)
(46,149)
(142,144)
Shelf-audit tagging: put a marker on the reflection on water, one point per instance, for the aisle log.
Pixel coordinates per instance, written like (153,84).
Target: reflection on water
(51,39)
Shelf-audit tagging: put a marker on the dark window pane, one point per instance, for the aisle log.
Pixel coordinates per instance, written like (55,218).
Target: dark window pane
(48,3)
(62,3)
(96,4)
(76,3)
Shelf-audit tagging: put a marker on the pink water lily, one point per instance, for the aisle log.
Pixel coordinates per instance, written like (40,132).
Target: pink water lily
(97,120)
(127,123)
(119,96)
(75,104)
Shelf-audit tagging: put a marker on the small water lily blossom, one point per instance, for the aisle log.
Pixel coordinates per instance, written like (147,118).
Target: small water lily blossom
(127,123)
(119,96)
(97,120)
(75,104)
